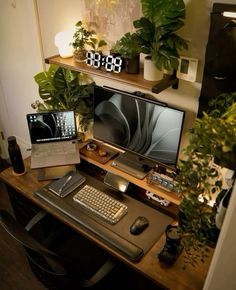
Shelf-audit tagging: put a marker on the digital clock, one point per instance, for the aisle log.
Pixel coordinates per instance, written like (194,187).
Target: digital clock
(109,62)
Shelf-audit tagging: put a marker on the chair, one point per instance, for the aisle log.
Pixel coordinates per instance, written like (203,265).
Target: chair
(62,259)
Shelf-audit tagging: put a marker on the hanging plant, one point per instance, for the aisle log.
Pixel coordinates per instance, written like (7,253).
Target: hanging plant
(212,145)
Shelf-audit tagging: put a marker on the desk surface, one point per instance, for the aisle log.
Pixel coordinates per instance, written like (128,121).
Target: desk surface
(173,277)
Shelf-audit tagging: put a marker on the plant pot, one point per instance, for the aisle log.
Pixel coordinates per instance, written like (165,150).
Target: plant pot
(151,73)
(132,65)
(80,55)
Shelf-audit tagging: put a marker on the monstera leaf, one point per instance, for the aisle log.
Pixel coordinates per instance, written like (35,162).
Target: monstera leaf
(128,46)
(165,12)
(156,30)
(61,89)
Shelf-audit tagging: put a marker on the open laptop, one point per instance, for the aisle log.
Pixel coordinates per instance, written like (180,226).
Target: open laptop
(54,139)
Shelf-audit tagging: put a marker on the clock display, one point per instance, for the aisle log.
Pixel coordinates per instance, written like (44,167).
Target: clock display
(109,62)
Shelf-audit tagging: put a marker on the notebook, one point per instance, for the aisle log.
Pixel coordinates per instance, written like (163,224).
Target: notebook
(54,139)
(65,185)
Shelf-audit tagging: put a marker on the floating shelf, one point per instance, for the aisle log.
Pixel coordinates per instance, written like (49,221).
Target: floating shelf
(171,196)
(136,80)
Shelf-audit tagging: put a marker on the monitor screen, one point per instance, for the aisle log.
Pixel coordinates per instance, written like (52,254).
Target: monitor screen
(138,125)
(52,126)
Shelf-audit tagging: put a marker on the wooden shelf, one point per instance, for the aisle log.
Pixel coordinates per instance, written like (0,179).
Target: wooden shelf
(172,197)
(136,80)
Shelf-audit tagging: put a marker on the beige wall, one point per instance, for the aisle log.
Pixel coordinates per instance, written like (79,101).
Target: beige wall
(20,59)
(221,274)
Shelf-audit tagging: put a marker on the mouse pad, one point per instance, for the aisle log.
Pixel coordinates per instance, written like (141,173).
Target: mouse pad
(157,220)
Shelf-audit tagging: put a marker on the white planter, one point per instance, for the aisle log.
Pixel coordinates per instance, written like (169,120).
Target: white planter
(151,73)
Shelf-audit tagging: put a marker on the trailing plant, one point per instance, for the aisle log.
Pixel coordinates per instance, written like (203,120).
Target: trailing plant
(61,89)
(156,30)
(219,104)
(212,145)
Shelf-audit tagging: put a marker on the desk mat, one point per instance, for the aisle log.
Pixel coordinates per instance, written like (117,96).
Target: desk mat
(157,220)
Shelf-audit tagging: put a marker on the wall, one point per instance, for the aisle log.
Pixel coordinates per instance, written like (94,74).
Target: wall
(221,274)
(20,59)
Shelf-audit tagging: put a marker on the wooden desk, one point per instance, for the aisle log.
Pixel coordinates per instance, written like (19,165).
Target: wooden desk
(173,277)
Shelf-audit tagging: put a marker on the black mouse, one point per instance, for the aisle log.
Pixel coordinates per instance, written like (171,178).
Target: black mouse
(139,225)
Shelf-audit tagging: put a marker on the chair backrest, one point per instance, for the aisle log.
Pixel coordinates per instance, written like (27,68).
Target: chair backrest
(53,271)
(49,267)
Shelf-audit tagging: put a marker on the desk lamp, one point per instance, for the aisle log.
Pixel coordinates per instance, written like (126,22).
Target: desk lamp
(63,42)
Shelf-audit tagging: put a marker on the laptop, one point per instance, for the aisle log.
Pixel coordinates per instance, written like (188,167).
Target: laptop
(54,139)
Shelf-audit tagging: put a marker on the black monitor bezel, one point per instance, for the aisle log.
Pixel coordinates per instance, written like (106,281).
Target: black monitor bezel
(140,96)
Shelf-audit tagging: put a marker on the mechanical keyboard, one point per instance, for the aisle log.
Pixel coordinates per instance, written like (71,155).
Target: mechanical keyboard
(101,204)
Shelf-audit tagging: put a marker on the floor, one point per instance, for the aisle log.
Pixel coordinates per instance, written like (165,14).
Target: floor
(15,273)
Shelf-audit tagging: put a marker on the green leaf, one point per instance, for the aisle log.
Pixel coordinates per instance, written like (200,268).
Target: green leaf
(102,43)
(156,31)
(128,46)
(163,12)
(61,88)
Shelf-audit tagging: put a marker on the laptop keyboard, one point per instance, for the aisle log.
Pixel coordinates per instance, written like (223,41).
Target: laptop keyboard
(46,150)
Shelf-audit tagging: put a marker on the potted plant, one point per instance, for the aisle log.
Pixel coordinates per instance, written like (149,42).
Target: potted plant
(157,32)
(212,145)
(81,37)
(61,89)
(129,48)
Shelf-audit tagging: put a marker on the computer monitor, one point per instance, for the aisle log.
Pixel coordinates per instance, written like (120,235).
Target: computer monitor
(146,129)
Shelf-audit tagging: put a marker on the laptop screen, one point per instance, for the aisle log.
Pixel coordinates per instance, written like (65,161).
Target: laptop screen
(52,126)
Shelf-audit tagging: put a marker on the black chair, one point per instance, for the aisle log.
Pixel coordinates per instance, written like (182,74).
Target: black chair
(61,258)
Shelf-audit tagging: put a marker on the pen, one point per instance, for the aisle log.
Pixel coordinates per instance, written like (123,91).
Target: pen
(64,184)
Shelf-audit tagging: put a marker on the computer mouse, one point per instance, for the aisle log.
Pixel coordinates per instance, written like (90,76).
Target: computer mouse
(139,225)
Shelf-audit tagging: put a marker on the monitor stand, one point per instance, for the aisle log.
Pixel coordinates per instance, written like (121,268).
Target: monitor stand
(132,164)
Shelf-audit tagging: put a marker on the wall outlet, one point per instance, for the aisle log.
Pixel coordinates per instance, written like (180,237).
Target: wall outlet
(187,69)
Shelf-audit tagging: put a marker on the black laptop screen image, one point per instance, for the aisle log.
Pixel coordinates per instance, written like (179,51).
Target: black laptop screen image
(53,136)
(52,126)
